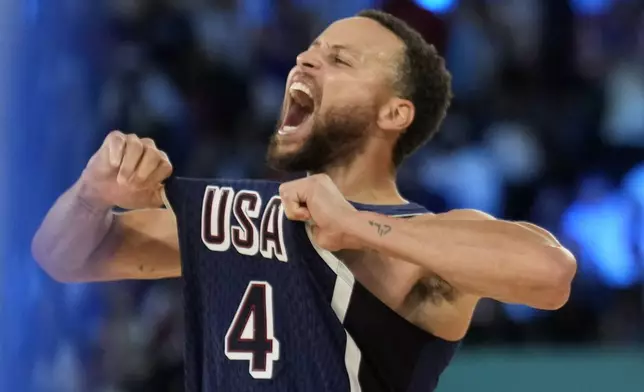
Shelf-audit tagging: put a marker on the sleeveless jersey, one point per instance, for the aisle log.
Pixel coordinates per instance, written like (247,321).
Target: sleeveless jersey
(267,310)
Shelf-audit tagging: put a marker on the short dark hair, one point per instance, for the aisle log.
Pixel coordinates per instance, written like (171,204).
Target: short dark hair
(423,79)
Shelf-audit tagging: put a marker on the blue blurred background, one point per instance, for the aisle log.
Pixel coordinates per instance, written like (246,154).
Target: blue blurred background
(547,126)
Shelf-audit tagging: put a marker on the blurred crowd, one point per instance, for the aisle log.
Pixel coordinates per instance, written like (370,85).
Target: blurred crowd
(547,126)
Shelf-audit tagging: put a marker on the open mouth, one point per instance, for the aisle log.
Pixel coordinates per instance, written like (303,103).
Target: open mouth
(300,107)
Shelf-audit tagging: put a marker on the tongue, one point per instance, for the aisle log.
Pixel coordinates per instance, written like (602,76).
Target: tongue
(296,115)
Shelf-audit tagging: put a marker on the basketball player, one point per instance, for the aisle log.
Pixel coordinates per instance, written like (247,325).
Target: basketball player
(291,287)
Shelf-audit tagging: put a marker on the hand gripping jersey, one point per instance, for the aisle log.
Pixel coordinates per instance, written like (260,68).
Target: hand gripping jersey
(268,310)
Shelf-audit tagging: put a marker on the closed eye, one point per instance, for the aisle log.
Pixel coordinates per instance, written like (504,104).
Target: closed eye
(338,60)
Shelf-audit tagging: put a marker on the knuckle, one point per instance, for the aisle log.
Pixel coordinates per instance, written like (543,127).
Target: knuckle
(150,153)
(132,139)
(166,167)
(113,140)
(158,157)
(135,145)
(164,158)
(148,143)
(116,134)
(139,176)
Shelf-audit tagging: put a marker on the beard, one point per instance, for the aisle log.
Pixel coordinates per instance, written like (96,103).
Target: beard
(335,140)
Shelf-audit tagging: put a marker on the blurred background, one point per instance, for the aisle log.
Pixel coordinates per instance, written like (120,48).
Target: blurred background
(547,126)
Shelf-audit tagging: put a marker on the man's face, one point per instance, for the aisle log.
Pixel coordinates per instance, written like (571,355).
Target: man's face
(333,96)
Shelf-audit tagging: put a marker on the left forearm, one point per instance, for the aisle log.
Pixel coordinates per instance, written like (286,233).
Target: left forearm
(489,258)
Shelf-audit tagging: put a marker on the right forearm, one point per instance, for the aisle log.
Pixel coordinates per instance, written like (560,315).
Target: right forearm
(75,232)
(81,239)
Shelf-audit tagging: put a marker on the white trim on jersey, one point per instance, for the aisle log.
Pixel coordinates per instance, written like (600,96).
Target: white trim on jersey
(340,303)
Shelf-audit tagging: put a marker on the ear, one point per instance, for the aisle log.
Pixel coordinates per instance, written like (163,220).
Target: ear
(396,115)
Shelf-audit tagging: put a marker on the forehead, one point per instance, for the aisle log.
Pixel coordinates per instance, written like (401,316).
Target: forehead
(366,37)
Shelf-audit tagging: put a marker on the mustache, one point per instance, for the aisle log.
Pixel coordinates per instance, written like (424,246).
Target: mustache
(338,135)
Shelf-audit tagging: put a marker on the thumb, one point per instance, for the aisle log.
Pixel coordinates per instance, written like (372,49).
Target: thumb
(296,211)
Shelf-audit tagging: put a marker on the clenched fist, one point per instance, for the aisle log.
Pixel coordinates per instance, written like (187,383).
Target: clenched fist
(126,172)
(319,202)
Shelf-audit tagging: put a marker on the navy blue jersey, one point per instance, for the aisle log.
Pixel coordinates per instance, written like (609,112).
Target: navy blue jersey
(267,310)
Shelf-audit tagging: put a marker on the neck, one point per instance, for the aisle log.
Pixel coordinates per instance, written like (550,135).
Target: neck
(367,180)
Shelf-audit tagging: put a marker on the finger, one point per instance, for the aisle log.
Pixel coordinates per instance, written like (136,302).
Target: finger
(291,191)
(150,160)
(297,213)
(115,145)
(162,171)
(294,210)
(294,205)
(131,157)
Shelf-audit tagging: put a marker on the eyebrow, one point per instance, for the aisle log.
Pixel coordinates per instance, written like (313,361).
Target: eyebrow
(317,43)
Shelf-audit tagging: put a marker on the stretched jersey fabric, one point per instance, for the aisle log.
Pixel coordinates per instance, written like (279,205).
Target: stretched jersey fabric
(268,310)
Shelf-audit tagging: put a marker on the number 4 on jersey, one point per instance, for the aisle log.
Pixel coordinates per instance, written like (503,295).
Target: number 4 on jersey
(250,335)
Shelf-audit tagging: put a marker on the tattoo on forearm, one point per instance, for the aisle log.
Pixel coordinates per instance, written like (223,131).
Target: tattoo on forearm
(382,229)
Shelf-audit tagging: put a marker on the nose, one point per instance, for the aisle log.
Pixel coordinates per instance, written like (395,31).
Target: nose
(309,60)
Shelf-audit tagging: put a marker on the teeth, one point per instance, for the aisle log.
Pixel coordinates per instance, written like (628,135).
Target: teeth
(298,86)
(286,129)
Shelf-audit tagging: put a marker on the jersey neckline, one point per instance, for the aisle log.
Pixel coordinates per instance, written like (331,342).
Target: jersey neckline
(391,209)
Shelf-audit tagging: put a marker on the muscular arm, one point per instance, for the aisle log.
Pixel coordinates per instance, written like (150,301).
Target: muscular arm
(477,254)
(80,242)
